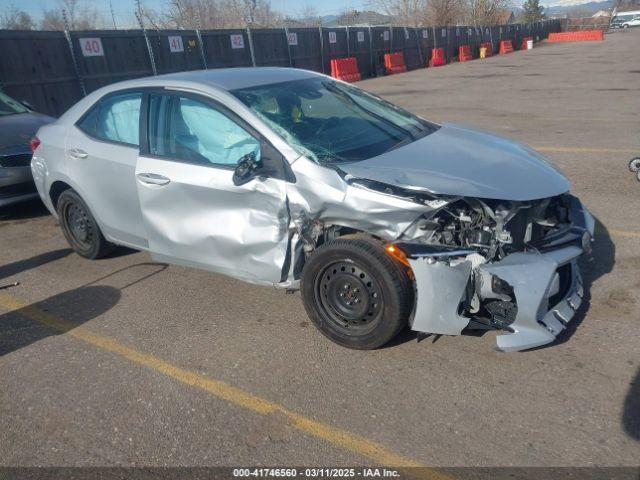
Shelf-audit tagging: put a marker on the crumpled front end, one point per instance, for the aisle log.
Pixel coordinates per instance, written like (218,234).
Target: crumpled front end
(530,293)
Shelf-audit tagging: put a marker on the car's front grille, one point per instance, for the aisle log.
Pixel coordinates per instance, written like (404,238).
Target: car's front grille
(18,189)
(20,160)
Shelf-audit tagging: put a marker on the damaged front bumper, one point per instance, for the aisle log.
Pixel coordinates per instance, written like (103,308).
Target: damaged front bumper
(547,286)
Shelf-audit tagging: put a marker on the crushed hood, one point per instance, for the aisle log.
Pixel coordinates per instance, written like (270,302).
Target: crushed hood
(456,160)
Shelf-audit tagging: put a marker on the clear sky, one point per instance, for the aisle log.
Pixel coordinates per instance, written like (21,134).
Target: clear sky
(123,9)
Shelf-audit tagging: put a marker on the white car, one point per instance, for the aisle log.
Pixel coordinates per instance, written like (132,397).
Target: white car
(290,178)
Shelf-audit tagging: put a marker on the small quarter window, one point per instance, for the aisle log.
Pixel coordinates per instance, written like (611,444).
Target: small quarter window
(88,123)
(119,118)
(115,118)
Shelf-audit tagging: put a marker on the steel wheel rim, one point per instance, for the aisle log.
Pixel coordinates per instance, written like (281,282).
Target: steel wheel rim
(350,297)
(80,226)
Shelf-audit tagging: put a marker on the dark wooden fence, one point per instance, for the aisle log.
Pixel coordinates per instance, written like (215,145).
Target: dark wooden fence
(53,70)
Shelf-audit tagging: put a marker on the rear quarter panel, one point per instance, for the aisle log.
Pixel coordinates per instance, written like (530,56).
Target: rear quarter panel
(48,162)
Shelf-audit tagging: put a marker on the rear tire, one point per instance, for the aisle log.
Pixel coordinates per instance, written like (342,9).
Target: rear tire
(355,293)
(80,227)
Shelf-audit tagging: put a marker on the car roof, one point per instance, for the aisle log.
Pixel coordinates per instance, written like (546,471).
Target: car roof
(224,78)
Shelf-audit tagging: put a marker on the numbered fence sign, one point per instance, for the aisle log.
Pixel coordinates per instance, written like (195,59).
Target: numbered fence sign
(444,32)
(175,44)
(237,41)
(457,32)
(385,35)
(361,36)
(292,38)
(406,34)
(332,37)
(91,47)
(469,32)
(425,33)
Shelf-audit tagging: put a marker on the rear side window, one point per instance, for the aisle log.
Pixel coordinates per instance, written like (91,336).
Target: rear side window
(114,119)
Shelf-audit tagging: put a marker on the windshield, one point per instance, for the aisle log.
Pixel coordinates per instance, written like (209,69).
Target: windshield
(9,106)
(332,122)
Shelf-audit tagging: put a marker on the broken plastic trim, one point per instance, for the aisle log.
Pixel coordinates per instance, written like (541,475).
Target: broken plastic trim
(418,250)
(418,195)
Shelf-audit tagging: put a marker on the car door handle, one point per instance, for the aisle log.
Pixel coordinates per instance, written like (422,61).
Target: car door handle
(152,179)
(78,154)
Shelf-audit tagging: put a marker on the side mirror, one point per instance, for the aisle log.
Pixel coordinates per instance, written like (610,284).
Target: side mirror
(247,169)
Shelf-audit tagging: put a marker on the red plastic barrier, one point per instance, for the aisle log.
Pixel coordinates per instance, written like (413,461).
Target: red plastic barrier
(345,69)
(488,47)
(581,36)
(523,44)
(394,63)
(506,46)
(437,57)
(464,53)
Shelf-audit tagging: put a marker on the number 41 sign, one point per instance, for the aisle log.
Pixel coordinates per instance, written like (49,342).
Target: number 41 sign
(175,44)
(91,47)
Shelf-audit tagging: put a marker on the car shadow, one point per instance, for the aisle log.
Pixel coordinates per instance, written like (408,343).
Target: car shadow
(54,316)
(631,409)
(36,261)
(23,211)
(65,311)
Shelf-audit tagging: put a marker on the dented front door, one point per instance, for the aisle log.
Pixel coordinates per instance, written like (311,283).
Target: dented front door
(193,213)
(195,216)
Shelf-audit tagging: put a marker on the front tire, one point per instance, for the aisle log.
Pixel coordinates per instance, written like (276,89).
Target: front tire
(80,227)
(355,293)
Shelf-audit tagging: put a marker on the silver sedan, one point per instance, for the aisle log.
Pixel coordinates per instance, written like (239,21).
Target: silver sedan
(292,179)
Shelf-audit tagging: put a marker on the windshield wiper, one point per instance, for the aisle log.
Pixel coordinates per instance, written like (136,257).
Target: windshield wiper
(401,143)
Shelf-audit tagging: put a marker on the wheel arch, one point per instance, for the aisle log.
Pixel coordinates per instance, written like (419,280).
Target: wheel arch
(55,190)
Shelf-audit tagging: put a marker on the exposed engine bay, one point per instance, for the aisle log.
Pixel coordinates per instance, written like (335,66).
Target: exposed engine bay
(486,231)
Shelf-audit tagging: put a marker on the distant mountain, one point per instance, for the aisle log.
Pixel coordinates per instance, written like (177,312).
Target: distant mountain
(326,19)
(564,6)
(357,17)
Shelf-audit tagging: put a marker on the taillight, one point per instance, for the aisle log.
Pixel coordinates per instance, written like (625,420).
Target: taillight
(35,143)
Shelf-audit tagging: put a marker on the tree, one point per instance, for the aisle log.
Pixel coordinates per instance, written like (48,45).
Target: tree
(308,15)
(216,14)
(14,19)
(443,12)
(71,14)
(532,11)
(404,12)
(487,12)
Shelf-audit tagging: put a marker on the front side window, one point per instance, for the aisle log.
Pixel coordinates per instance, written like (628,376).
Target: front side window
(333,122)
(191,130)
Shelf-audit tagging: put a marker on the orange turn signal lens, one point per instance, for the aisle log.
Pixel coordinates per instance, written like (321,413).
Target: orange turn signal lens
(398,254)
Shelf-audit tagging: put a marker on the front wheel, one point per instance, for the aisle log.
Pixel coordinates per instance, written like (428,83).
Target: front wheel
(355,293)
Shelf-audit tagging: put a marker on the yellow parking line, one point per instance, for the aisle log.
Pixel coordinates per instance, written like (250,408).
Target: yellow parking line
(622,233)
(587,150)
(335,436)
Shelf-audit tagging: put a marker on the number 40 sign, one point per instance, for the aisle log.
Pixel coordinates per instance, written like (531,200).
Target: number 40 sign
(91,47)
